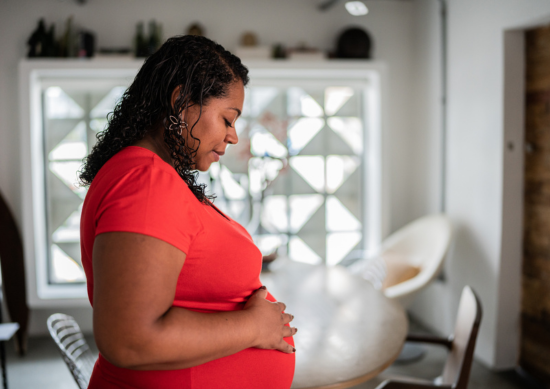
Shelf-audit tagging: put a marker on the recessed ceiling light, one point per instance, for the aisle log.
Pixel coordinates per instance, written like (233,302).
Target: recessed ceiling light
(357,8)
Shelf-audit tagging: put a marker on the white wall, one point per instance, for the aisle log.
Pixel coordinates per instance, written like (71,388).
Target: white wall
(391,23)
(426,115)
(484,178)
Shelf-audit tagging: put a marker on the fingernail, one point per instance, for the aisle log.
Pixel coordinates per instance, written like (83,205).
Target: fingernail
(293,349)
(295,329)
(262,287)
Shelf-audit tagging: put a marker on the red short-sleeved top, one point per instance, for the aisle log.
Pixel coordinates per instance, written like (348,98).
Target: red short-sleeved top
(136,191)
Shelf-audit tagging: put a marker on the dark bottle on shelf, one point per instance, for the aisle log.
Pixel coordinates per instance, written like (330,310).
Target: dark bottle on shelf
(86,45)
(141,48)
(154,38)
(67,44)
(160,40)
(50,46)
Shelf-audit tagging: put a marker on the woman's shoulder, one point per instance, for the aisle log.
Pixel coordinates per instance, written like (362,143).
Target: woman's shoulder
(136,169)
(138,192)
(138,162)
(135,157)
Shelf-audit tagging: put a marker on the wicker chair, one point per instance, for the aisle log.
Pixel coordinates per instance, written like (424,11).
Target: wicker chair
(73,347)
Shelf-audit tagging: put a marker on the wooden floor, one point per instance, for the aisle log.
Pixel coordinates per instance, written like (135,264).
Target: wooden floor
(43,368)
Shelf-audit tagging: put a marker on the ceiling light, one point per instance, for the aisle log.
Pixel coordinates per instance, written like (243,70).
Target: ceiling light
(356,8)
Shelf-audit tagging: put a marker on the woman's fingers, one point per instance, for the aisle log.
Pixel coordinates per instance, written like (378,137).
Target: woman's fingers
(269,318)
(261,293)
(285,347)
(289,331)
(287,318)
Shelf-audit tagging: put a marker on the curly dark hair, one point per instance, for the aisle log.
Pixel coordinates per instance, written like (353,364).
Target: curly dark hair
(201,68)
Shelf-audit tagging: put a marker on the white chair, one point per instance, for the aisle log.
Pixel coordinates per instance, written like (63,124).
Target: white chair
(409,259)
(407,262)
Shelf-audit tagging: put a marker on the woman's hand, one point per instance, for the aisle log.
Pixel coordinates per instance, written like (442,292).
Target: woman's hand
(270,322)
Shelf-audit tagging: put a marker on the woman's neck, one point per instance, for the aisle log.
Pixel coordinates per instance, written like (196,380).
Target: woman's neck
(154,141)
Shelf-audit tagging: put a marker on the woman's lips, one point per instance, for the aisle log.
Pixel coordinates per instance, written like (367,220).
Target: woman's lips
(216,155)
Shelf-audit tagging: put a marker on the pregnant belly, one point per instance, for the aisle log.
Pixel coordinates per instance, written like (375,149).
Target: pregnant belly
(249,369)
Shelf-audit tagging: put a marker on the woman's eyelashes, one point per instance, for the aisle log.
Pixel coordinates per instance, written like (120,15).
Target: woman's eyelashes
(227,123)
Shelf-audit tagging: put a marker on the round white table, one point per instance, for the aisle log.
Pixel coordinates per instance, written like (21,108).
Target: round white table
(348,332)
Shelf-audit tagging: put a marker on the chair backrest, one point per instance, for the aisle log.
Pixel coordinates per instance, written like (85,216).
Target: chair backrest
(73,347)
(459,361)
(424,244)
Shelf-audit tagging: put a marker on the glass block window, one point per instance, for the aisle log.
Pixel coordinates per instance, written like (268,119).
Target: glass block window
(295,177)
(294,180)
(305,178)
(72,118)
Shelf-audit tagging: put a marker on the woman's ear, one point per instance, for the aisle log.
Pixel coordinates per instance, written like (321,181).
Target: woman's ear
(175,95)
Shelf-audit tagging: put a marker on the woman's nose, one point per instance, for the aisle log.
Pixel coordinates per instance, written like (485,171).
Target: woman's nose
(232,137)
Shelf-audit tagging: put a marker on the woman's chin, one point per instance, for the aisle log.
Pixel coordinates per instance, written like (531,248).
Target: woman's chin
(202,166)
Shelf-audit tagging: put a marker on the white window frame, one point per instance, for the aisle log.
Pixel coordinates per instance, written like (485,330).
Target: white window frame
(34,75)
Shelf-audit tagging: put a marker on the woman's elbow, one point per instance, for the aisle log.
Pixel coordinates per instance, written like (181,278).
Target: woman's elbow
(121,352)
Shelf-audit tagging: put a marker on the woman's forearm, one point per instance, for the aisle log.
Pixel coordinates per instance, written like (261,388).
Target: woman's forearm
(182,338)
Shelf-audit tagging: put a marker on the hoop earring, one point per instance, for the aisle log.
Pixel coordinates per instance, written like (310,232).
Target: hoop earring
(176,123)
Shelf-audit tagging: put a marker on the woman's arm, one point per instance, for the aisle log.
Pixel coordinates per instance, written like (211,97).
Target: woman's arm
(136,327)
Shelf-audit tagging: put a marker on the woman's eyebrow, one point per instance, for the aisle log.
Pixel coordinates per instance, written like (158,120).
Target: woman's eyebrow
(236,110)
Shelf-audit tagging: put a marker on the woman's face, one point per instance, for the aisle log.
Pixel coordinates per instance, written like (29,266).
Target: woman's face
(216,127)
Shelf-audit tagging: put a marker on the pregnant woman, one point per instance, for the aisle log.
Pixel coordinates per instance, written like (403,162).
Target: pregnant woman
(174,283)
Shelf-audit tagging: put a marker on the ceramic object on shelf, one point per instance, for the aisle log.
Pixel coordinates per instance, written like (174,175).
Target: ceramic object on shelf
(196,29)
(354,42)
